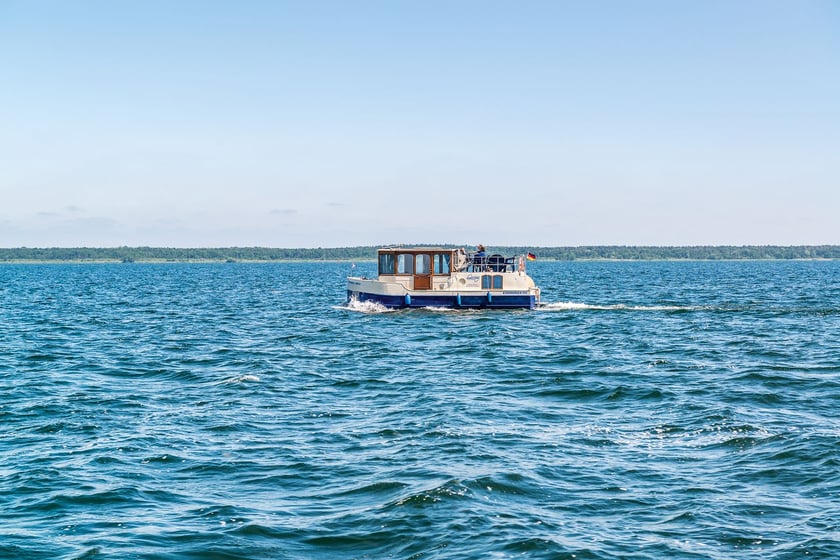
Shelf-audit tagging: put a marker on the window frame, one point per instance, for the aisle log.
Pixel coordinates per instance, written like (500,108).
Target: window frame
(385,256)
(404,258)
(439,258)
(418,257)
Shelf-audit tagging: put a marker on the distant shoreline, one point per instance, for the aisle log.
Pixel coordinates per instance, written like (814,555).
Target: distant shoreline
(26,255)
(373,261)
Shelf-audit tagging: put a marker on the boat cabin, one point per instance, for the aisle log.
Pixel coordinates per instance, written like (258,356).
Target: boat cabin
(419,268)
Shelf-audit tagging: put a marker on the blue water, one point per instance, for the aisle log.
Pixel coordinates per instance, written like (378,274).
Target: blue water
(647,410)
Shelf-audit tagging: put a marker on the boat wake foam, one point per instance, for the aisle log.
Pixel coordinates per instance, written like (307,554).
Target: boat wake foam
(433,309)
(575,306)
(365,307)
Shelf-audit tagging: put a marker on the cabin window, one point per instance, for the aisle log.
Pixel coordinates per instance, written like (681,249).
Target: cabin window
(386,263)
(442,263)
(405,263)
(495,281)
(422,264)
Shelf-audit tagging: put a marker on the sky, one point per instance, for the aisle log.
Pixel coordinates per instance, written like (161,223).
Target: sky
(343,123)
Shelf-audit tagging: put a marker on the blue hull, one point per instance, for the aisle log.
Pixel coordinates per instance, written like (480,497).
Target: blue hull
(477,301)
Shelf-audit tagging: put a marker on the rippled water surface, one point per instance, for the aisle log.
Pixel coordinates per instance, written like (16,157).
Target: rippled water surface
(647,410)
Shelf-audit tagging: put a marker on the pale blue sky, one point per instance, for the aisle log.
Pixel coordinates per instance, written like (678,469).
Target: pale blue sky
(343,123)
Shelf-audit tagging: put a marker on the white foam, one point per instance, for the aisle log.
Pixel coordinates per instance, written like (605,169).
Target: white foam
(576,306)
(439,309)
(564,306)
(243,379)
(365,307)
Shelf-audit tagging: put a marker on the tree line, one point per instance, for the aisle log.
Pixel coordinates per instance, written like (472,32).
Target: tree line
(362,253)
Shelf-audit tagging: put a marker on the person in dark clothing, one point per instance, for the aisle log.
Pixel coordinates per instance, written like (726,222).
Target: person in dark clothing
(479,258)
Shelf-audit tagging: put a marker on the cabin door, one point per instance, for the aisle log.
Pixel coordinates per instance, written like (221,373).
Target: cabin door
(422,271)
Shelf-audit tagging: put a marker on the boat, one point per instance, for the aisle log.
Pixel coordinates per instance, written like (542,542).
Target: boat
(450,278)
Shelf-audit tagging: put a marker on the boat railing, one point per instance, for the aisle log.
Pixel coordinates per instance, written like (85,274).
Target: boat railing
(476,262)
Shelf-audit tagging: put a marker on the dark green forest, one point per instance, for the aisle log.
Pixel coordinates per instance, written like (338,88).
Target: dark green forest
(267,254)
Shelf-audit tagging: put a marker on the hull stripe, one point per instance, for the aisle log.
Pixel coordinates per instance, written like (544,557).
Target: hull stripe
(485,300)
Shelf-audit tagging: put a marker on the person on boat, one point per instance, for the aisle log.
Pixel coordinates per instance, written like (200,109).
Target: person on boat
(479,258)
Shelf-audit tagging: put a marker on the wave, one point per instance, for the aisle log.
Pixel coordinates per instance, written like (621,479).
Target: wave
(242,379)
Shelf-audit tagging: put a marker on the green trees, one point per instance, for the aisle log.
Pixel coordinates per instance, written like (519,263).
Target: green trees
(721,252)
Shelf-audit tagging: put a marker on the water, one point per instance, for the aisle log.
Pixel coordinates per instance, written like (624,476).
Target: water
(648,410)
